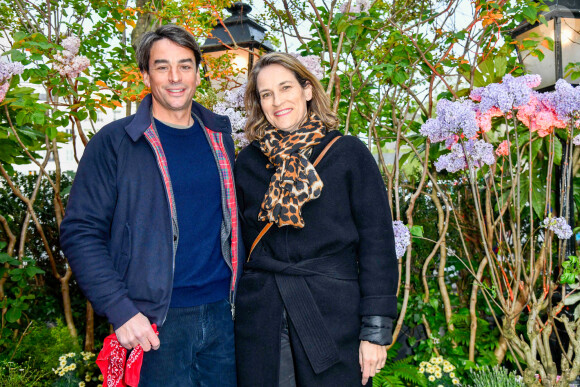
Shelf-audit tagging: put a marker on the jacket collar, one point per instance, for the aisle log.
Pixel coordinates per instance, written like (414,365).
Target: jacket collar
(142,119)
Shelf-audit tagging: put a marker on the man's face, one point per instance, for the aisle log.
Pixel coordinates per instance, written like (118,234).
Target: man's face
(172,77)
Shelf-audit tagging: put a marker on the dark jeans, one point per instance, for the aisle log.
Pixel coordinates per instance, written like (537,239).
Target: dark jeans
(197,349)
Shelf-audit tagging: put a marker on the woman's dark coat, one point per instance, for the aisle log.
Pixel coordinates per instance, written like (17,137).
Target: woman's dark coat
(339,267)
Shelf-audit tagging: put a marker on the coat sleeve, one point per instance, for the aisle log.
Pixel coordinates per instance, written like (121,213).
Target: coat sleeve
(84,232)
(378,268)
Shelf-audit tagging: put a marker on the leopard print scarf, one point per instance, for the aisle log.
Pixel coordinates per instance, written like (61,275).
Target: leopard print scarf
(295,181)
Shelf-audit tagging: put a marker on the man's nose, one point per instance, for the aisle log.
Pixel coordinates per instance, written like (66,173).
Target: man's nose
(174,75)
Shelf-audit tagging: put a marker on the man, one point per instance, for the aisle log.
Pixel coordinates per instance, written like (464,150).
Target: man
(151,228)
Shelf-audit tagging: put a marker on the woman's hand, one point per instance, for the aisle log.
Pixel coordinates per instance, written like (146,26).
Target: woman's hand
(372,359)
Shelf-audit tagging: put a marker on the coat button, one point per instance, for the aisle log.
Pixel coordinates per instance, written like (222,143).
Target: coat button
(175,238)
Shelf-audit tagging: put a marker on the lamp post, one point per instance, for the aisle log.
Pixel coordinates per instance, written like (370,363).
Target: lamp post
(563,27)
(240,36)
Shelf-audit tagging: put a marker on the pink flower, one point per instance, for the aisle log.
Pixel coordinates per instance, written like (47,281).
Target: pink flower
(3,90)
(68,63)
(503,149)
(72,44)
(538,116)
(484,119)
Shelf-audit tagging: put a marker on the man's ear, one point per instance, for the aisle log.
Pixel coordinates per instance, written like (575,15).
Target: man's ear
(198,76)
(145,75)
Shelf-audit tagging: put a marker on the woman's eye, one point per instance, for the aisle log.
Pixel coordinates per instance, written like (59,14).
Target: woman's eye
(265,95)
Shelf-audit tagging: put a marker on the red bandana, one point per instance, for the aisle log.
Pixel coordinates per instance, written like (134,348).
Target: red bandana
(118,371)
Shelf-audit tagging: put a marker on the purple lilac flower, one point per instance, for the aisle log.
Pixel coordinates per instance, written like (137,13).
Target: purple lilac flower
(235,97)
(312,64)
(453,118)
(566,101)
(479,153)
(8,69)
(576,140)
(509,94)
(559,225)
(402,237)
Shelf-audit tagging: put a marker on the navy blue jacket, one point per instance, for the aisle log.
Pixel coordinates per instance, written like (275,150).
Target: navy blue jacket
(120,232)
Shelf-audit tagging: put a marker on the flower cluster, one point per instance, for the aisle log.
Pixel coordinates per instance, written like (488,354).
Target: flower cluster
(477,152)
(539,115)
(7,70)
(484,119)
(402,237)
(559,225)
(503,149)
(232,106)
(78,369)
(576,140)
(453,119)
(64,365)
(505,96)
(360,6)
(565,100)
(439,370)
(68,63)
(312,64)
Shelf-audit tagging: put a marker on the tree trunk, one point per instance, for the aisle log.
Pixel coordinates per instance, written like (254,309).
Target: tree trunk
(90,329)
(145,22)
(65,291)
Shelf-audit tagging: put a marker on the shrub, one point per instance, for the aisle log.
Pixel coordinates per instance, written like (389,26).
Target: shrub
(495,377)
(42,345)
(17,375)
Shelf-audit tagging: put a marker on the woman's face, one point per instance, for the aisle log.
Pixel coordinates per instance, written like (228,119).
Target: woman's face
(282,98)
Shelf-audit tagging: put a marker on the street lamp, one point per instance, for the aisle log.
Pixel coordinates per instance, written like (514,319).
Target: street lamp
(563,28)
(240,36)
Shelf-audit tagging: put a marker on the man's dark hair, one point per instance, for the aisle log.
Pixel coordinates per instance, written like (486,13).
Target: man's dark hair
(176,34)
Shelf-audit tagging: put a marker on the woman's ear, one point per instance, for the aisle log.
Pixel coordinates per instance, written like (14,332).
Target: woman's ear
(308,91)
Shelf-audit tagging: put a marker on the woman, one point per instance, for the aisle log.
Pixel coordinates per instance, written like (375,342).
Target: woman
(317,298)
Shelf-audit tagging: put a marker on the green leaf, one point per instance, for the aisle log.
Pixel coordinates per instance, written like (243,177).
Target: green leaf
(434,303)
(557,152)
(416,231)
(530,13)
(31,271)
(13,315)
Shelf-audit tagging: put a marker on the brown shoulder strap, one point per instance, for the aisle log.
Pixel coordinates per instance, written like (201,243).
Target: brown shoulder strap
(267,227)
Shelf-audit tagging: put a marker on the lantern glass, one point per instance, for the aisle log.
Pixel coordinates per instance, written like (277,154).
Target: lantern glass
(570,43)
(546,67)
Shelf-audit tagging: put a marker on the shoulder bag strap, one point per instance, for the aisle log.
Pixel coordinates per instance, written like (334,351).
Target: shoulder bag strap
(267,227)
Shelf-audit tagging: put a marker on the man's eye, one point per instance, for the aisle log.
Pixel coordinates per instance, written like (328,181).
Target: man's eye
(186,67)
(162,68)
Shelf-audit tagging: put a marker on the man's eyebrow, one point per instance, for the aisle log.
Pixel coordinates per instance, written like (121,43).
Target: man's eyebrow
(165,61)
(279,84)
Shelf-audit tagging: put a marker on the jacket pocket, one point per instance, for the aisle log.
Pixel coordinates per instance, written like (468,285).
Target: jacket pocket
(125,256)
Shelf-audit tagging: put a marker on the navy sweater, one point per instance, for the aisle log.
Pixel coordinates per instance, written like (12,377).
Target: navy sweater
(201,275)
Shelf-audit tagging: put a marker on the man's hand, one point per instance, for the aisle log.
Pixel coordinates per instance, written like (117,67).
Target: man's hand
(372,359)
(137,331)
